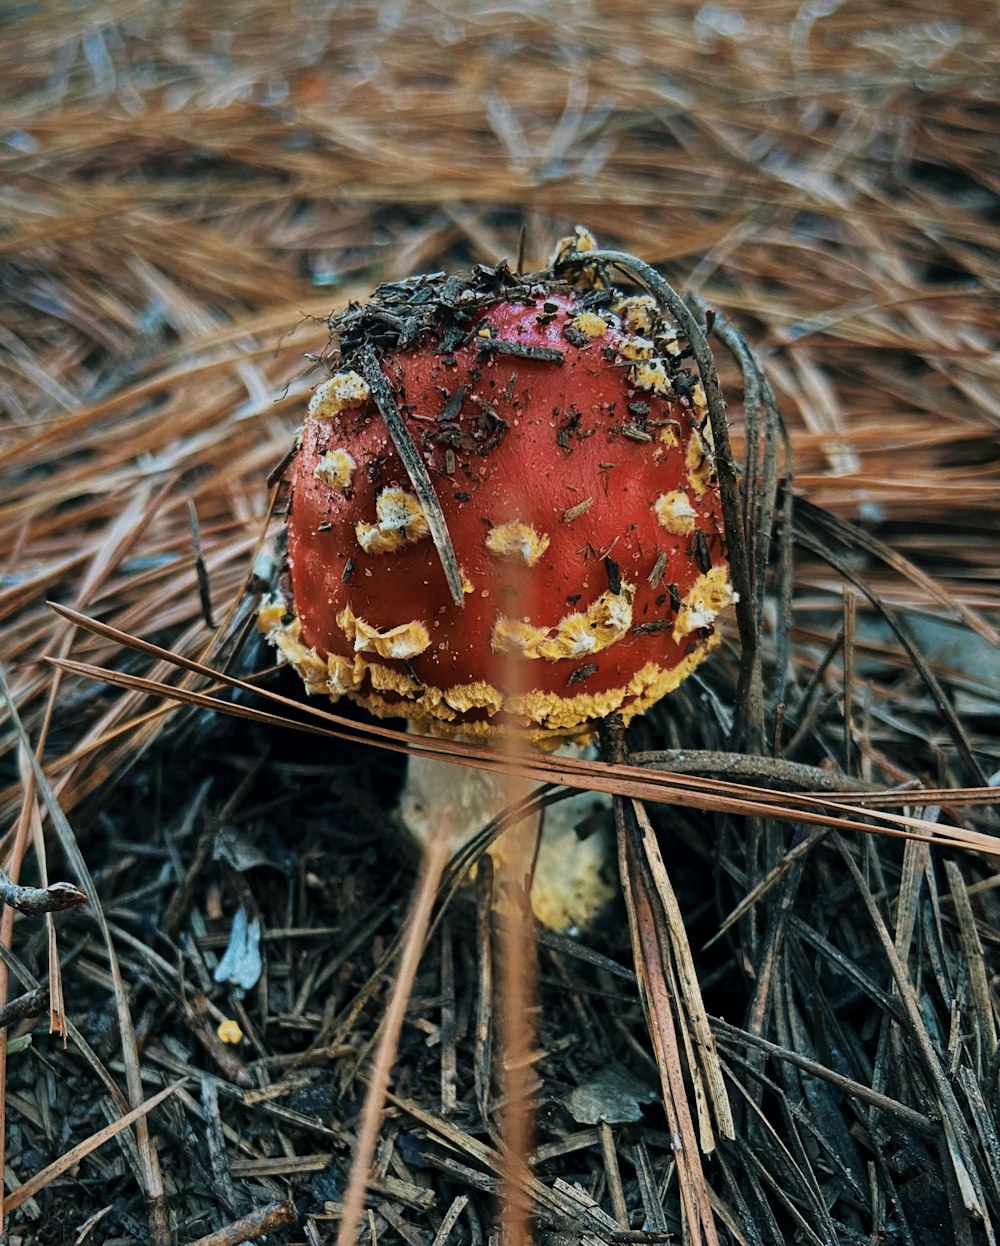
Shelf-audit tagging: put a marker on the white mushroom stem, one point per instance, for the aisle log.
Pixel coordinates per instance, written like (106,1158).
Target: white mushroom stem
(574,853)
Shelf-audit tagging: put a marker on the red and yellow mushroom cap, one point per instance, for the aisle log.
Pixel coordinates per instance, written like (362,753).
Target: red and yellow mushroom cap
(571,455)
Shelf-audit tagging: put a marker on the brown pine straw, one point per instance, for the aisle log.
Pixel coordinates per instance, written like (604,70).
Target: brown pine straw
(184,200)
(433,861)
(623,781)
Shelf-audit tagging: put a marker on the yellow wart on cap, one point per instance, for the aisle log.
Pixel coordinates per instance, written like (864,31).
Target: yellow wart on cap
(700,465)
(404,641)
(389,679)
(517,636)
(342,676)
(581,239)
(270,614)
(674,512)
(517,541)
(639,314)
(287,639)
(401,521)
(342,392)
(589,324)
(650,375)
(605,621)
(635,348)
(709,595)
(478,695)
(335,468)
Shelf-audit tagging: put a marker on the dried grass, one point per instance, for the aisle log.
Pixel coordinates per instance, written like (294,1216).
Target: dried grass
(187,191)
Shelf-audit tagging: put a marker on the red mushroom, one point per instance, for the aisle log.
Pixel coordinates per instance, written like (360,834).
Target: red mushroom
(570,453)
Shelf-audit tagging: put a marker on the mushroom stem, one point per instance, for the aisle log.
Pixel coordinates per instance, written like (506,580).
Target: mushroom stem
(567,853)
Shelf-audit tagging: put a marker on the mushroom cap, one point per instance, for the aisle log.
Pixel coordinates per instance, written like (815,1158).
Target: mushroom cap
(571,455)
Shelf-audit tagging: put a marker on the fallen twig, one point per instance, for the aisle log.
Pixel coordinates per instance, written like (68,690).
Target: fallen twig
(32,1004)
(255,1224)
(34,901)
